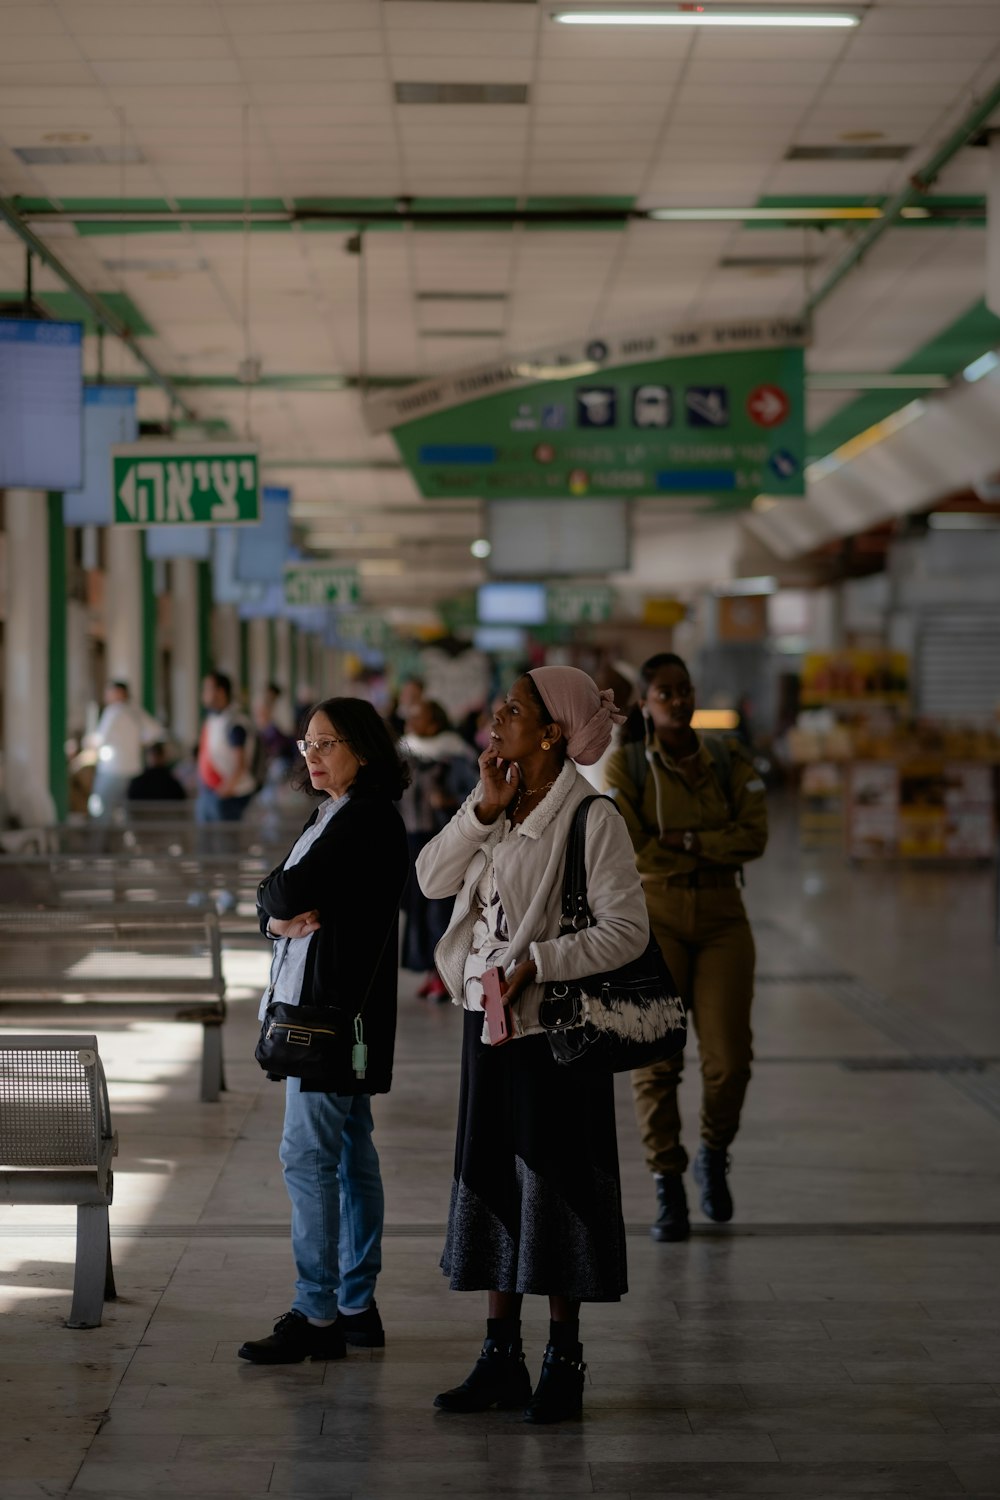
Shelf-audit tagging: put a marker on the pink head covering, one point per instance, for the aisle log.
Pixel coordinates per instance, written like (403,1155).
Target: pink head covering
(583,712)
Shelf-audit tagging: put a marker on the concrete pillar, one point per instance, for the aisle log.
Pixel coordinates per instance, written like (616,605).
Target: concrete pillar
(260,657)
(226,643)
(283,673)
(124,610)
(29,722)
(185,669)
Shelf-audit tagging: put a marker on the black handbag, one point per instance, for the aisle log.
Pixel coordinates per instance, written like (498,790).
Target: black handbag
(626,1018)
(312,1042)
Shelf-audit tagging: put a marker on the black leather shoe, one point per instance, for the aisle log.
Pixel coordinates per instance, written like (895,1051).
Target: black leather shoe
(293,1340)
(362,1329)
(672,1223)
(710,1168)
(498,1378)
(558,1396)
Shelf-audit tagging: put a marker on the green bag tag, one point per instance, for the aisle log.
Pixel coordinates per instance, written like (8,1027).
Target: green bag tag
(359,1052)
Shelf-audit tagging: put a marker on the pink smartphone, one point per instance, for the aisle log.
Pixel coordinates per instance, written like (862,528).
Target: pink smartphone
(496,1008)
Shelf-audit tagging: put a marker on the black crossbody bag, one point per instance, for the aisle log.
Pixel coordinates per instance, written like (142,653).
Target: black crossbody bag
(312,1041)
(613,1022)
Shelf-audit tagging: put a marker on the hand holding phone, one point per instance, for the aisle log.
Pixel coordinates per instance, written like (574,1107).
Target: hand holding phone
(496,1007)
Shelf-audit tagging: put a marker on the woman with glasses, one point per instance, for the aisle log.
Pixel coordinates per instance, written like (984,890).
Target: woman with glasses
(694,806)
(332,910)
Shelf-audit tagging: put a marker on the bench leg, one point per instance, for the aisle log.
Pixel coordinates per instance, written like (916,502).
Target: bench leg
(212,1080)
(94,1279)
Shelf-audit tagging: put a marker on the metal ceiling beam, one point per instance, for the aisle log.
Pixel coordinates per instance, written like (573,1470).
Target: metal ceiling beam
(356,218)
(816,380)
(917,186)
(101,313)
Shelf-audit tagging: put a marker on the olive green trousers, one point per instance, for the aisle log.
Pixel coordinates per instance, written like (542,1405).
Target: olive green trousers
(709,948)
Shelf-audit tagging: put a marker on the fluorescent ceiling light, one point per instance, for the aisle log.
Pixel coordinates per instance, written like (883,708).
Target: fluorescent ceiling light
(819,212)
(700,17)
(981,366)
(739,586)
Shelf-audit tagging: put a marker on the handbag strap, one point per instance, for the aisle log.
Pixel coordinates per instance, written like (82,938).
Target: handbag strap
(381,951)
(576,912)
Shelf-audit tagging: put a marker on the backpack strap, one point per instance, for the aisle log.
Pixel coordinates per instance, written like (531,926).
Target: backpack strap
(722,761)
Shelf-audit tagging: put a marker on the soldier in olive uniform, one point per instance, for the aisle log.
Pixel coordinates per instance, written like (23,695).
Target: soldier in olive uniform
(696,813)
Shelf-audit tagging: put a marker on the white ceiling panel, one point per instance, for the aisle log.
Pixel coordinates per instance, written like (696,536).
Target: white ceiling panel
(289,16)
(144,20)
(470,68)
(407,15)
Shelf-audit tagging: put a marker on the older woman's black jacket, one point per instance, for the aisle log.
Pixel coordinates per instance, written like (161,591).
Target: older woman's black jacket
(353,876)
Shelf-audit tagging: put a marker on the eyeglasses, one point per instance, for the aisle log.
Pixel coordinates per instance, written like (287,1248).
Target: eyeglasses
(322,747)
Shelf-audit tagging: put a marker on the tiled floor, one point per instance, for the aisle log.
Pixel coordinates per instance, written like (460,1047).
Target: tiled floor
(842,1338)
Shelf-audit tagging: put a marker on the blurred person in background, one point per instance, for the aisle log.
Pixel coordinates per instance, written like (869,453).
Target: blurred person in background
(124,729)
(275,752)
(695,810)
(225,755)
(408,699)
(157,783)
(445,771)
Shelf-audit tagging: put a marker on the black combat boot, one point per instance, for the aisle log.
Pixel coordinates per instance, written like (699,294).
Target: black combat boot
(498,1378)
(710,1168)
(672,1222)
(558,1396)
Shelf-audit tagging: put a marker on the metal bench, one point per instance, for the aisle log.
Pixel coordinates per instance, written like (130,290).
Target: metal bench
(56,1146)
(228,885)
(123,963)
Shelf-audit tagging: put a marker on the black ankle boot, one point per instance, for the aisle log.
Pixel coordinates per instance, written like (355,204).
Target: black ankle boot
(558,1395)
(710,1168)
(498,1378)
(672,1222)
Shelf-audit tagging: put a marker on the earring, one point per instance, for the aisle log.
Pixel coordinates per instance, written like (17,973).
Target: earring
(546,745)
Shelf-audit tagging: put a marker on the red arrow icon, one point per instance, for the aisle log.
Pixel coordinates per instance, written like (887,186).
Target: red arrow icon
(768,406)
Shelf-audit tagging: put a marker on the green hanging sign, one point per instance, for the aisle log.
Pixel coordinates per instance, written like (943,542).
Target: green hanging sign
(177,484)
(321,584)
(712,412)
(579,603)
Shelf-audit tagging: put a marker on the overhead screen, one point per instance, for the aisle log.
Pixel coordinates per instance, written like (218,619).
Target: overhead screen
(557,538)
(511,604)
(41,405)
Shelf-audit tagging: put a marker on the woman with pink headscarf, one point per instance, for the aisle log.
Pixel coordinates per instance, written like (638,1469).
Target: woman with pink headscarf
(536,1198)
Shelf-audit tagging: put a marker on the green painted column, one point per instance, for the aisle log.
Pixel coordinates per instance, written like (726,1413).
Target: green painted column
(150,655)
(204,619)
(58,767)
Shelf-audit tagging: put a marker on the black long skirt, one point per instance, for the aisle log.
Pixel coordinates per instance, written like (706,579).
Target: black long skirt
(536,1201)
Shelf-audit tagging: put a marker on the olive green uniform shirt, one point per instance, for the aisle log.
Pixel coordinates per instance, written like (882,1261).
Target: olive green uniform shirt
(731,828)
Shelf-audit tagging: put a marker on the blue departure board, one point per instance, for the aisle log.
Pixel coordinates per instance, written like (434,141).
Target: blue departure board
(41,404)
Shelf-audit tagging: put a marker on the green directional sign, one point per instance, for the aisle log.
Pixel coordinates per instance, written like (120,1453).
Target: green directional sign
(579,604)
(365,629)
(715,412)
(321,583)
(168,484)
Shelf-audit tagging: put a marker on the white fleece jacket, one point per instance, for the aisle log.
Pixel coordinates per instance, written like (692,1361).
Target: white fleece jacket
(529,871)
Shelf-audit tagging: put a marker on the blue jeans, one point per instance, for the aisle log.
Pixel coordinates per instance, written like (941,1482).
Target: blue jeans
(332,1176)
(209,807)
